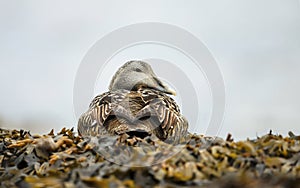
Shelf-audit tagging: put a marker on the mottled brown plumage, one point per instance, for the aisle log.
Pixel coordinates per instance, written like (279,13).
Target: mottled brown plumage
(137,101)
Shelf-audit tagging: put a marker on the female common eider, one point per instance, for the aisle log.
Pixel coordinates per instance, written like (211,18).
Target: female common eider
(137,104)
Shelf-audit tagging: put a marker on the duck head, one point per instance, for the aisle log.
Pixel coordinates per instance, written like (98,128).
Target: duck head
(135,75)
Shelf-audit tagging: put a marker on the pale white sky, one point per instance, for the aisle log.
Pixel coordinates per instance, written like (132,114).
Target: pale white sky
(255,43)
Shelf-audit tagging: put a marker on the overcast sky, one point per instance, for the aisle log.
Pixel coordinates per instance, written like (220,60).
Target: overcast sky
(255,43)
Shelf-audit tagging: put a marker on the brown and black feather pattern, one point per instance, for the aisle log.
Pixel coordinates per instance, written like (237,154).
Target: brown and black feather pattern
(120,111)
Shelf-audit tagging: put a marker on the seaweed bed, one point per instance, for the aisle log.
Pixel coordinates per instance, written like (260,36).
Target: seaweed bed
(68,160)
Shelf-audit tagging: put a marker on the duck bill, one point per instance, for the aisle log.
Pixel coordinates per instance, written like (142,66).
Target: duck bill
(163,87)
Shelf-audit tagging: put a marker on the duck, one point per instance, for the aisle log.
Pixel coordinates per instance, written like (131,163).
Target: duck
(137,103)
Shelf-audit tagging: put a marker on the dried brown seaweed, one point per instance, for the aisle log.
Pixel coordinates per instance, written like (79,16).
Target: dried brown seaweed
(67,160)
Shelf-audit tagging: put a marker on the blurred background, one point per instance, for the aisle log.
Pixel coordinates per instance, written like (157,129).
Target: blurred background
(255,43)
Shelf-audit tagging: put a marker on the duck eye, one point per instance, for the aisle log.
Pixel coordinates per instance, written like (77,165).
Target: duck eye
(138,70)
